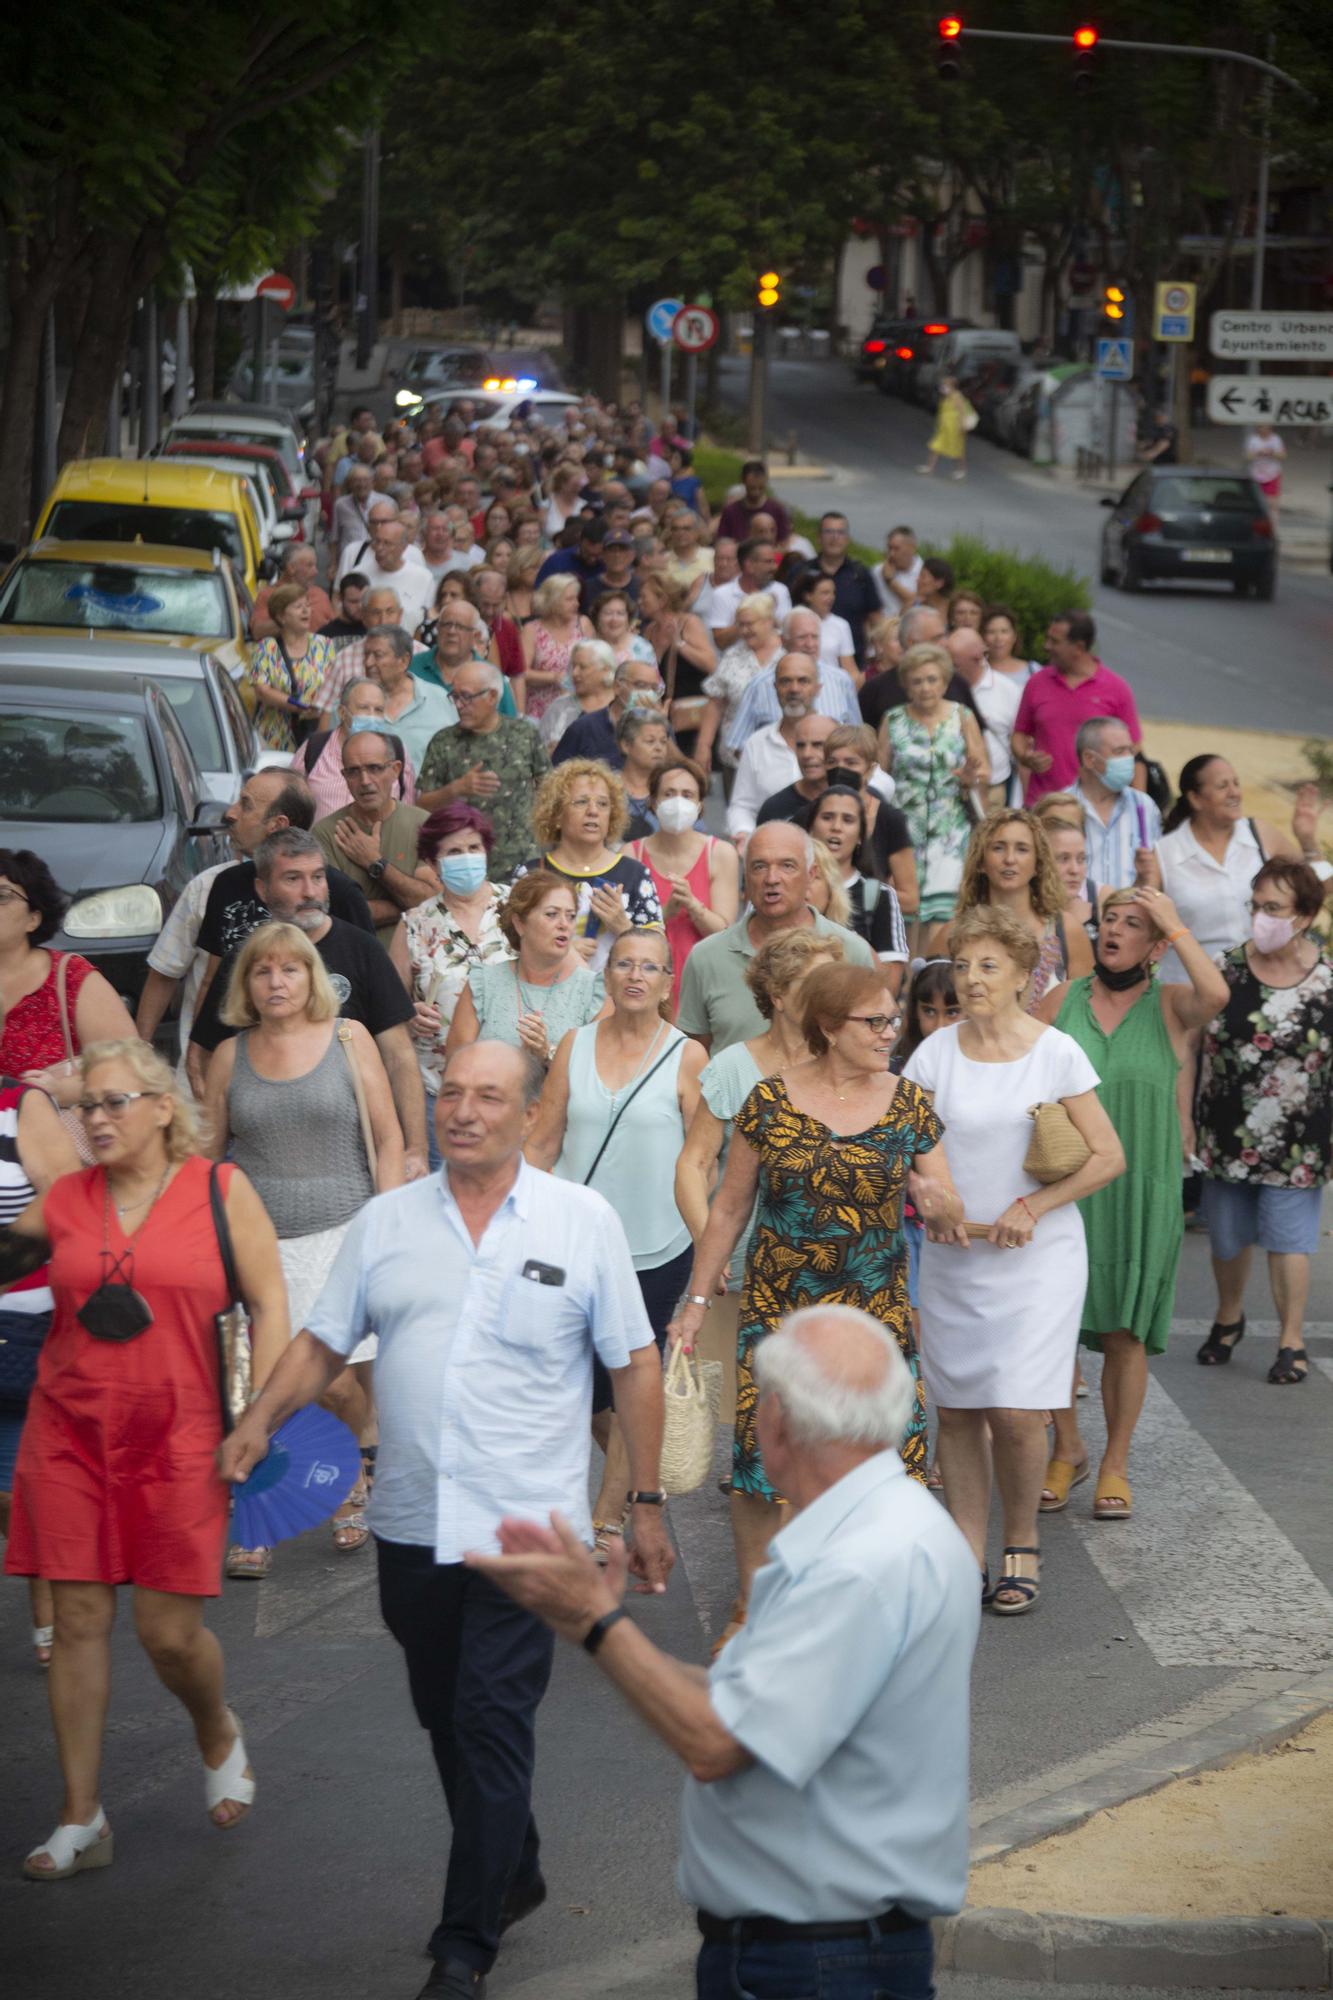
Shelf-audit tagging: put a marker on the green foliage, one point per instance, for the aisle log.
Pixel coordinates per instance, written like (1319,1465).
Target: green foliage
(1035,590)
(1318,754)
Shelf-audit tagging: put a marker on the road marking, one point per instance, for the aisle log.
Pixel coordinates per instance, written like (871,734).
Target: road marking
(1203,1572)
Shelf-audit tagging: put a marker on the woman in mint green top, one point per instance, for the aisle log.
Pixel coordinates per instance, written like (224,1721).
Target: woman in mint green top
(1135,1033)
(535,997)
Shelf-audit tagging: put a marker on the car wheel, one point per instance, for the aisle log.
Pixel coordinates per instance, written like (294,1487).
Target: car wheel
(1266,588)
(1131,575)
(1241,585)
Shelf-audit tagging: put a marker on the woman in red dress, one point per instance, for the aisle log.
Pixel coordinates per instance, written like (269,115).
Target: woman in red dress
(34,1044)
(116,1481)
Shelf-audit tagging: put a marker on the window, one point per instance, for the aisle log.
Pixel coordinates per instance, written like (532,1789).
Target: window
(127,521)
(95,770)
(191,702)
(115,597)
(239,726)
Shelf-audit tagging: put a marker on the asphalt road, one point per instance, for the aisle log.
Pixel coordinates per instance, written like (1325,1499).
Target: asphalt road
(1190,650)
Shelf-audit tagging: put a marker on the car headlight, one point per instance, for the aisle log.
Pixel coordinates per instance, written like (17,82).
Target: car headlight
(406,398)
(133,911)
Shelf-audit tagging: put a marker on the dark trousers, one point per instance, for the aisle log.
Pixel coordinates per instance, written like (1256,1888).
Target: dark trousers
(661,1288)
(896,1967)
(477,1666)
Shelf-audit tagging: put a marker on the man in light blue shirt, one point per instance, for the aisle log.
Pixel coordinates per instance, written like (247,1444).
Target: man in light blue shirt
(759,705)
(1120,825)
(490,1287)
(825,1818)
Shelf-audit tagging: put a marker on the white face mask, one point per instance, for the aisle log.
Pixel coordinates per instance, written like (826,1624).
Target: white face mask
(676,815)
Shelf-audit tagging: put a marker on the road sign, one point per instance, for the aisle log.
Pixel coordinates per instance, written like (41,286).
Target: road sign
(1271,336)
(695,329)
(278,287)
(661,317)
(1173,312)
(1115,360)
(1275,399)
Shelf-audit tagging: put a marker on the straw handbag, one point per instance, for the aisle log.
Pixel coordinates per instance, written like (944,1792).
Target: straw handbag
(1057,1147)
(691,1390)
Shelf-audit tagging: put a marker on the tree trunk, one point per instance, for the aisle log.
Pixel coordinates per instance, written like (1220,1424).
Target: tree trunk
(99,354)
(29,300)
(606,339)
(396,288)
(205,338)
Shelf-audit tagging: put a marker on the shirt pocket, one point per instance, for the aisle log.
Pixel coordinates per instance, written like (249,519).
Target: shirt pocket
(539,1320)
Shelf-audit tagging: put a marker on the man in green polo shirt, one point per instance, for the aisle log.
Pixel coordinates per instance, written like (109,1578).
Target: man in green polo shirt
(495,762)
(374,839)
(716,1005)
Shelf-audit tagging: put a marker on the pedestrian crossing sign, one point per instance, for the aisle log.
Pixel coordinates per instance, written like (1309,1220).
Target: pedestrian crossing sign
(1115,360)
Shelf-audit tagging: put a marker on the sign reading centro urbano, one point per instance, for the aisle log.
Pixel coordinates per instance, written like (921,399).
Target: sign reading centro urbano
(1271,336)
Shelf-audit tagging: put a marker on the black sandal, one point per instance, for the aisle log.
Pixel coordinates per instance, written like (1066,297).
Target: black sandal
(987,1587)
(1285,1371)
(1221,1343)
(1028,1587)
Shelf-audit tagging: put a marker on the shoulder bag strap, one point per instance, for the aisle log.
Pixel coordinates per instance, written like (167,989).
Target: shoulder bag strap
(670,675)
(623,1108)
(1142,819)
(62,1000)
(222,1229)
(1253,825)
(359,1092)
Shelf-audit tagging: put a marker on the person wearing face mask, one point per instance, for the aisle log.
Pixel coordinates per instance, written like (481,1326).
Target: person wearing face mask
(1265,1112)
(697,878)
(1122,826)
(1136,1034)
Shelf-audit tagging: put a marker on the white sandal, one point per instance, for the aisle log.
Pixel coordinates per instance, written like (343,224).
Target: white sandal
(228,1784)
(43,1638)
(72,1848)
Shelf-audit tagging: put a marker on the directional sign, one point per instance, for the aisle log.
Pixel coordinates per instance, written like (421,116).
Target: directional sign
(1271,336)
(1115,360)
(660,318)
(695,329)
(1275,399)
(278,287)
(1173,312)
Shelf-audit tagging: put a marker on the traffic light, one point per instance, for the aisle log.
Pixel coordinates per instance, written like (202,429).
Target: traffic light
(1085,59)
(948,67)
(770,289)
(1115,303)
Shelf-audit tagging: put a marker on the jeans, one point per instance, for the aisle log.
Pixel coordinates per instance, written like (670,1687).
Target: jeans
(477,1666)
(898,1967)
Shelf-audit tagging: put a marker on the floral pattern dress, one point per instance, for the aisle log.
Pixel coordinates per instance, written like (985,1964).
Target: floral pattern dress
(1265,1112)
(828,1230)
(441,954)
(930,797)
(303,683)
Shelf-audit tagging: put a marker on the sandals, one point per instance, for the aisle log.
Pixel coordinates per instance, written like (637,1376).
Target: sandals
(72,1848)
(229,1785)
(248,1564)
(1061,1478)
(987,1587)
(934,1478)
(1113,1500)
(1292,1365)
(43,1638)
(352,1531)
(1221,1343)
(1027,1588)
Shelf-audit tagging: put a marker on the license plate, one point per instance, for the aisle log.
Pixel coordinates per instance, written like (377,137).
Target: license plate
(1205,555)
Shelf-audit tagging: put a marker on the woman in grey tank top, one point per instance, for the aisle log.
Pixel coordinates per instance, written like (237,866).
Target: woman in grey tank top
(283,1104)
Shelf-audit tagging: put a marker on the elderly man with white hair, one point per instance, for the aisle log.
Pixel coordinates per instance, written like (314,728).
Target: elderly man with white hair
(758,707)
(825,1814)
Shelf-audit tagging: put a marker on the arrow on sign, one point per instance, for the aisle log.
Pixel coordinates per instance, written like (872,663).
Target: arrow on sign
(1229,400)
(1278,399)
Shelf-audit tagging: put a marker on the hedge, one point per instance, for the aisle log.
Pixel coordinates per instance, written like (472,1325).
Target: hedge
(1034,589)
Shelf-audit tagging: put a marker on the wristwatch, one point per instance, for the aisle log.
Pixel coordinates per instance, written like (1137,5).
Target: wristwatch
(597,1631)
(657,1499)
(376,870)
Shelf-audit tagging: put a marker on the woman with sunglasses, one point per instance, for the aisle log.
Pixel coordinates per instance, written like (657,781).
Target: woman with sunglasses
(128,1378)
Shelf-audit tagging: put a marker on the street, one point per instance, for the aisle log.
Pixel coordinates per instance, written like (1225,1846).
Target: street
(1187,651)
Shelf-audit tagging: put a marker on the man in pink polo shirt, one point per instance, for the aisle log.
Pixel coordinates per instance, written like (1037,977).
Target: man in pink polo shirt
(1071,690)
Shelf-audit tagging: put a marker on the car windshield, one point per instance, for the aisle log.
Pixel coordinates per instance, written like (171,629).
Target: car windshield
(126,521)
(96,770)
(115,597)
(1197,491)
(455,365)
(193,707)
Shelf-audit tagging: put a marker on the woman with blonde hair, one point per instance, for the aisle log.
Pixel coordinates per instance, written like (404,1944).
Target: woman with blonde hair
(521,582)
(128,1378)
(579,815)
(548,639)
(935,751)
(758,645)
(1010,866)
(301,1102)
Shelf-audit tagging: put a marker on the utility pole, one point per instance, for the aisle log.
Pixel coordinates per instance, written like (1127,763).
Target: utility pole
(1261,206)
(368,313)
(768,295)
(150,417)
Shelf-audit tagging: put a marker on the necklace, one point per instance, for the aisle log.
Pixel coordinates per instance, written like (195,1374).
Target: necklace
(129,1206)
(643,1060)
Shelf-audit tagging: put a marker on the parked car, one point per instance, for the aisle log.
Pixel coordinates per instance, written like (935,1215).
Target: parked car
(249,423)
(1201,522)
(874,355)
(297,501)
(111,589)
(289,376)
(1015,415)
(97,777)
(918,342)
(155,500)
(962,348)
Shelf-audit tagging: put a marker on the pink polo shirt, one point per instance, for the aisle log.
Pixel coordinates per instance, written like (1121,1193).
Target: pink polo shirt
(1051,713)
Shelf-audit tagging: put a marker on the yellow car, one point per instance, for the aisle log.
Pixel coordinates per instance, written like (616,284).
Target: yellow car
(159,501)
(117,590)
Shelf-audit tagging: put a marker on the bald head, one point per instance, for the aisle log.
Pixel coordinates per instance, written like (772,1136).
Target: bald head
(841,1383)
(967,650)
(485,1111)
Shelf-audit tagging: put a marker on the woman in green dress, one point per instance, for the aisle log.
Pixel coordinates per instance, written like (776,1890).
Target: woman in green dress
(831,1147)
(936,754)
(1135,1032)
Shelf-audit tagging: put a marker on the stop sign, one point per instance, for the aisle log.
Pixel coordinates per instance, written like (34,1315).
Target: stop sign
(278,287)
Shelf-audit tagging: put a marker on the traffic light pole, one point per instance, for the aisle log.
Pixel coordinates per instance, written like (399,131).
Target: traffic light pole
(759,382)
(1151,48)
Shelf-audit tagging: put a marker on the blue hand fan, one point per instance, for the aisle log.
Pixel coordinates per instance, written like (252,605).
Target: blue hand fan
(312,1465)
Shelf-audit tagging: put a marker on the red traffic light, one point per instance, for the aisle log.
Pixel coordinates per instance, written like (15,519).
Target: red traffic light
(950,28)
(1085,38)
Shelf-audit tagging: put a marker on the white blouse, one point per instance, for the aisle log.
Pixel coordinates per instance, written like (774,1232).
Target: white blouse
(1213,897)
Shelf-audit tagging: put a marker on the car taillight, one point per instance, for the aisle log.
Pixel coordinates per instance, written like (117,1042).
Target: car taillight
(936,326)
(1262,527)
(874,346)
(903,353)
(1147,524)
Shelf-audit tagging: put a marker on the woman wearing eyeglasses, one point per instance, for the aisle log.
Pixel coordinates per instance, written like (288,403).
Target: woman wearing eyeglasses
(831,1146)
(116,1481)
(617,1103)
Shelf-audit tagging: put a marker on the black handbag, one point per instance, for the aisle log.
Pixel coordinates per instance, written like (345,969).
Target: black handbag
(21,1338)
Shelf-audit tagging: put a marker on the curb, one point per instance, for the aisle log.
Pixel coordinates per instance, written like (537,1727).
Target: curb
(1257,1954)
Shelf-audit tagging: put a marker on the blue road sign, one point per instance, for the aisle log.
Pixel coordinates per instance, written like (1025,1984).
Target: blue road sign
(1173,326)
(660,318)
(1115,360)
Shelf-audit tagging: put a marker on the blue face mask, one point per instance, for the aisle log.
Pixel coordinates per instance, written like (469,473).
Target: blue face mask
(463,873)
(642,698)
(1119,772)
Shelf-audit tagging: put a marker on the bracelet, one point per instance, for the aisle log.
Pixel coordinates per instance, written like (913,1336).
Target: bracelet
(1022,1203)
(1173,935)
(597,1631)
(696,1299)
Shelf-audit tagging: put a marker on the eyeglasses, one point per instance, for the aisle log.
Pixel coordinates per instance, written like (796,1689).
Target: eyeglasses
(461,695)
(364,770)
(648,967)
(13,896)
(877,1023)
(454,625)
(114,1103)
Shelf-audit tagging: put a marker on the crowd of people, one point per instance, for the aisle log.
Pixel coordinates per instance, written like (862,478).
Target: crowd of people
(817,947)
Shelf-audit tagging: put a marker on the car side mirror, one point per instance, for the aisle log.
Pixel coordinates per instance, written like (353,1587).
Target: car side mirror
(209,819)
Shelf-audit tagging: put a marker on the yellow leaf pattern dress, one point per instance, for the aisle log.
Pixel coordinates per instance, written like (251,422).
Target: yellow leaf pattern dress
(828,1231)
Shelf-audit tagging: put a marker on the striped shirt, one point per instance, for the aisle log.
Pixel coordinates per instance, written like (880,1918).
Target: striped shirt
(1135,822)
(31,1294)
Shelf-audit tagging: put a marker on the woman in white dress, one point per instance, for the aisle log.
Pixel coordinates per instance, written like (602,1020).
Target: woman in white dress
(999,1330)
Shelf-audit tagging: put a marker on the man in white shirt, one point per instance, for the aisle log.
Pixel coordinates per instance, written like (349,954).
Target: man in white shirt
(390,568)
(491,1287)
(758,575)
(997,697)
(768,761)
(824,1821)
(1121,826)
(897,577)
(359,555)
